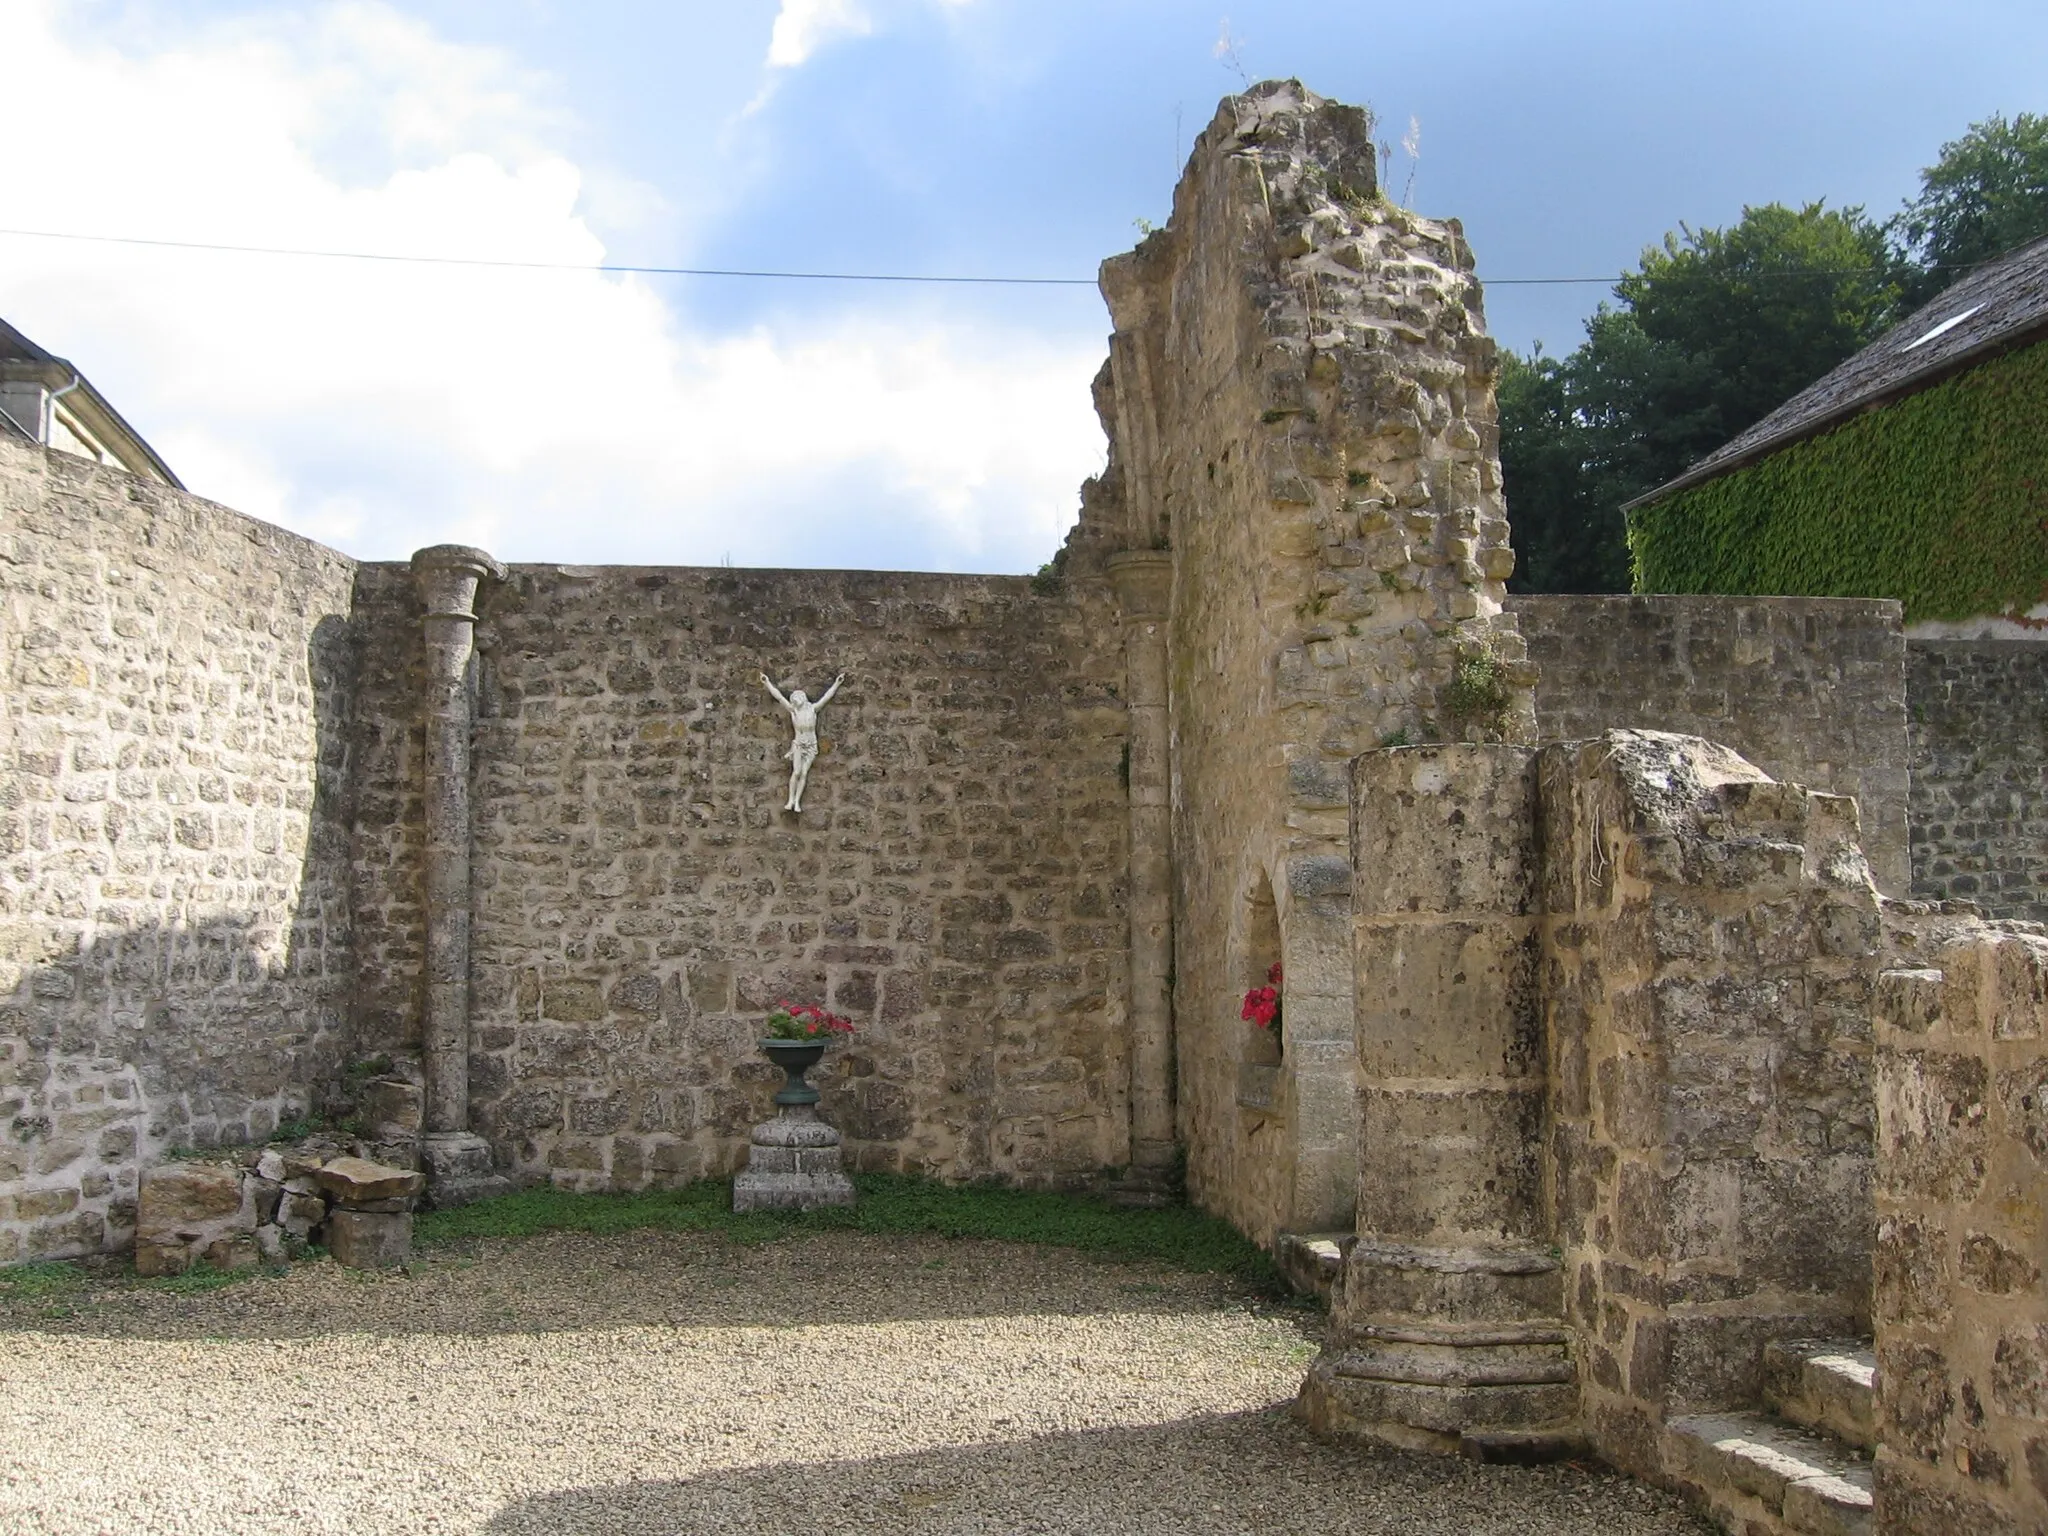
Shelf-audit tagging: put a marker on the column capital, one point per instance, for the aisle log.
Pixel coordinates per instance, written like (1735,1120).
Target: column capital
(447,576)
(1144,581)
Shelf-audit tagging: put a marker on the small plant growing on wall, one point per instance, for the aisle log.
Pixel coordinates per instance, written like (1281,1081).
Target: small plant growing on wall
(1051,579)
(1478,693)
(1262,1004)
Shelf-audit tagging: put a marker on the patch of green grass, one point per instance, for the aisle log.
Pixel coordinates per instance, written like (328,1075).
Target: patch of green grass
(33,1282)
(62,1285)
(889,1204)
(200,1278)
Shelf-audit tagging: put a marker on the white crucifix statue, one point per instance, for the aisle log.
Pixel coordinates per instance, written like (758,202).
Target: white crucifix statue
(803,751)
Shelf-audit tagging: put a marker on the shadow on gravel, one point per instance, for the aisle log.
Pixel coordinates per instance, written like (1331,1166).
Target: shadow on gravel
(1237,1474)
(564,1281)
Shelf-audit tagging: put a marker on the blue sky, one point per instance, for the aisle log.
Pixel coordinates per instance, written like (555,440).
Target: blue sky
(576,417)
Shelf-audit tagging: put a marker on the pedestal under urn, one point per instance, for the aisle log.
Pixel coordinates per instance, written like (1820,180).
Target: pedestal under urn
(794,1161)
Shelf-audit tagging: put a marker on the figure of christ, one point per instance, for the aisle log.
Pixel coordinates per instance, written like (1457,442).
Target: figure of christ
(804,750)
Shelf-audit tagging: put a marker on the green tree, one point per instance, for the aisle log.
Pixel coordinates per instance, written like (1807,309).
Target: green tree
(1986,194)
(1568,538)
(1757,312)
(1712,331)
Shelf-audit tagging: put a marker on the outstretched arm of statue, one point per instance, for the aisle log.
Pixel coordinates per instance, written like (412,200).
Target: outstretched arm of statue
(827,697)
(778,694)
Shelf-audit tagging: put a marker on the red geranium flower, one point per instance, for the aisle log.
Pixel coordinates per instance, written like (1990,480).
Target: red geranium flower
(805,1021)
(1262,1004)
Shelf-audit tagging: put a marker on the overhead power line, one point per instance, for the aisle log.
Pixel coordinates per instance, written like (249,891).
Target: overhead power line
(819,277)
(551,266)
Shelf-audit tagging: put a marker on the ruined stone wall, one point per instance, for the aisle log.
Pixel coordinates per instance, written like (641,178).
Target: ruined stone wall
(1810,689)
(1301,409)
(1709,954)
(1979,733)
(954,883)
(174,930)
(1961,1312)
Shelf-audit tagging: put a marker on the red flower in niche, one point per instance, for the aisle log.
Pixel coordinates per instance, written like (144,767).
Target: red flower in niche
(1262,1004)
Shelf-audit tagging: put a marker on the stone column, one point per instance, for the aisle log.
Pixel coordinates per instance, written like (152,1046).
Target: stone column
(458,1162)
(1144,584)
(1446,1331)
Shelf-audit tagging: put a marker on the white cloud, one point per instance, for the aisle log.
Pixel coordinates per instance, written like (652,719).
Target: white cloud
(545,415)
(802,27)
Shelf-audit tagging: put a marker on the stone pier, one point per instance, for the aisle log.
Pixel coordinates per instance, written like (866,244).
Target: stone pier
(458,1161)
(1144,586)
(1447,1330)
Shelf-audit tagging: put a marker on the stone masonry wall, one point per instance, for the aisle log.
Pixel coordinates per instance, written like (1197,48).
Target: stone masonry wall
(954,883)
(174,930)
(1979,731)
(1812,690)
(1709,952)
(1300,407)
(1961,1311)
(387,834)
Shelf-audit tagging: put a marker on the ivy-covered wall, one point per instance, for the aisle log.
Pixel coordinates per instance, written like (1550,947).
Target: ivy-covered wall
(1939,500)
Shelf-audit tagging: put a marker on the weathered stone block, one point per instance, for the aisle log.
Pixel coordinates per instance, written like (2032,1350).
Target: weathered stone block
(1909,1500)
(1494,1283)
(1418,1416)
(392,1109)
(238,1251)
(1912,1272)
(1449,1163)
(1444,830)
(1932,1108)
(1447,1000)
(183,1209)
(572,999)
(369,1239)
(1918,1398)
(300,1214)
(1997,1269)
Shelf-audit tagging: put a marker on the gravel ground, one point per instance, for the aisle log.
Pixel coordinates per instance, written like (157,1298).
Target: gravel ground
(659,1382)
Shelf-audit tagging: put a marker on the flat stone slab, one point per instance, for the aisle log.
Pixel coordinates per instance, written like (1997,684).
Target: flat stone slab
(357,1180)
(754,1190)
(794,1131)
(1813,1481)
(1828,1385)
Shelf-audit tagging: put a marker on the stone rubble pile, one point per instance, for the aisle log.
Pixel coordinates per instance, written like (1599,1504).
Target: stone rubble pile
(234,1214)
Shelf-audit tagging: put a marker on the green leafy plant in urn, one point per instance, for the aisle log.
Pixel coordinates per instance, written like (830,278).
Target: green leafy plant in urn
(796,1041)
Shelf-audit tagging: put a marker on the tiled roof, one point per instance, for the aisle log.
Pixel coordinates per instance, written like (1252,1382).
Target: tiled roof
(1998,307)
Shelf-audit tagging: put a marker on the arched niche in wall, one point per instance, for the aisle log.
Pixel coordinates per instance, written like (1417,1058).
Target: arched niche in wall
(1260,1051)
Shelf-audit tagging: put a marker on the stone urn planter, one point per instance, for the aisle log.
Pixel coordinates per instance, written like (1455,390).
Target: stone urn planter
(793,1161)
(795,1057)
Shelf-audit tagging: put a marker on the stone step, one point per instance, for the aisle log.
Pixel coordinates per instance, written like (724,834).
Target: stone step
(1828,1385)
(1764,1477)
(1312,1261)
